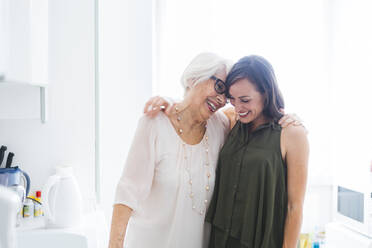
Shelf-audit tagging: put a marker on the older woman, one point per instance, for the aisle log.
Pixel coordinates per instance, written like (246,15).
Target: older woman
(168,178)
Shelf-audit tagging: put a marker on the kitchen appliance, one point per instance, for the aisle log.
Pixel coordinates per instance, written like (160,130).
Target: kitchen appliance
(62,199)
(353,207)
(11,177)
(339,236)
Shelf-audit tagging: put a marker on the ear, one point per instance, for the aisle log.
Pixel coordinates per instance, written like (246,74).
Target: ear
(190,84)
(186,92)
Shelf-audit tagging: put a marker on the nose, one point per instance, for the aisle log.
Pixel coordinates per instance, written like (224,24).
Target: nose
(221,99)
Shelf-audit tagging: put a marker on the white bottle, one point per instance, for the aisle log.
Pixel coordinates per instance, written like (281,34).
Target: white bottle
(62,206)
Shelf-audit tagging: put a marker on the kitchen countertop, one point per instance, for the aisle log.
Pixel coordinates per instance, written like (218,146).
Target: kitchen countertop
(93,227)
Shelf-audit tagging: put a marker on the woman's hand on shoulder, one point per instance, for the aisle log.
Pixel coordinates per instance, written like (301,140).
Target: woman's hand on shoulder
(291,119)
(231,115)
(156,104)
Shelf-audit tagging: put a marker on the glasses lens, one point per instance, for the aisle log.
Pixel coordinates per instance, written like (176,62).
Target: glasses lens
(220,87)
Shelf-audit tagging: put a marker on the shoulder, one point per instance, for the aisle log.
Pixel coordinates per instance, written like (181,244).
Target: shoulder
(292,131)
(231,115)
(151,120)
(221,120)
(293,136)
(150,123)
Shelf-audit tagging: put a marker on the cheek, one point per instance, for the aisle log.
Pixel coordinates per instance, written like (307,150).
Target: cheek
(242,106)
(258,108)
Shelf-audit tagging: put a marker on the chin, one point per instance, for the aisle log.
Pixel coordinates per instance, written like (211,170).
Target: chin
(245,120)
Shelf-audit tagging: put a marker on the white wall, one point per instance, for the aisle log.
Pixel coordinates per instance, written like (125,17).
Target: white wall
(68,136)
(125,76)
(351,90)
(292,35)
(348,114)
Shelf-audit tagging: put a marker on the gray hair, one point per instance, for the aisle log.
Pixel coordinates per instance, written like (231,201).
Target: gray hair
(202,68)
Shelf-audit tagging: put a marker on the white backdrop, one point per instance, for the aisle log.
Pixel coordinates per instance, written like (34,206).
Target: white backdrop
(291,34)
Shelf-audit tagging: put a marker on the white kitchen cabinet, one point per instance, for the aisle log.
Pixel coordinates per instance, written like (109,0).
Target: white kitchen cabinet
(24,41)
(23,53)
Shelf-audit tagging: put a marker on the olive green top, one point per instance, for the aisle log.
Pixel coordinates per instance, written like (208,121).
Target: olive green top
(249,203)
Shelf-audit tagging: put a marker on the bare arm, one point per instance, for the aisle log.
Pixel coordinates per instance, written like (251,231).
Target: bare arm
(120,218)
(296,152)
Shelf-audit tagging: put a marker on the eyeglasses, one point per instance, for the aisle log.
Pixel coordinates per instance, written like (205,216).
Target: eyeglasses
(219,85)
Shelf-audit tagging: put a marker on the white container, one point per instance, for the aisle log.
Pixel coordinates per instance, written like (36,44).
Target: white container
(62,199)
(9,206)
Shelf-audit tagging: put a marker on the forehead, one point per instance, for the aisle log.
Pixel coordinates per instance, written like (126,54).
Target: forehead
(243,87)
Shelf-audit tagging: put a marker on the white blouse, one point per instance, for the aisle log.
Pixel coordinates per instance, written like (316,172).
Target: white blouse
(156,184)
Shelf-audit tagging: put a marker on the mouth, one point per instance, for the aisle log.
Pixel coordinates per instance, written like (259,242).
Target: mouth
(243,114)
(212,106)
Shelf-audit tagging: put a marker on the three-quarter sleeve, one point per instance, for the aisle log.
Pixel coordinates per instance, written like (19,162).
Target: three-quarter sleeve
(135,183)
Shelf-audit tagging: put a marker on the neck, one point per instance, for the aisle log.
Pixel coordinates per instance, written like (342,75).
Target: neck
(257,122)
(190,115)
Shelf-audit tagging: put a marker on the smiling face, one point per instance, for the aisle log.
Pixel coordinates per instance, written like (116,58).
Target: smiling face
(248,102)
(204,97)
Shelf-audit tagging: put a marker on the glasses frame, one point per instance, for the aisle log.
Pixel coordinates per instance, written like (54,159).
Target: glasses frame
(217,85)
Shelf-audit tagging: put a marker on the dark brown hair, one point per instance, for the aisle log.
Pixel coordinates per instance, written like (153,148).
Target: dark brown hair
(259,72)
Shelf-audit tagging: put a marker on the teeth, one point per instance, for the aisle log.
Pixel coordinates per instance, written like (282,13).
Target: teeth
(242,114)
(212,106)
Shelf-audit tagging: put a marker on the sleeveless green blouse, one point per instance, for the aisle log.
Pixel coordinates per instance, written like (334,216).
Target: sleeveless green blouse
(249,203)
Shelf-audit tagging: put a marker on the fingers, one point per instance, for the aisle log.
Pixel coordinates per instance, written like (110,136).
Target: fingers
(291,119)
(155,105)
(282,111)
(155,108)
(286,120)
(170,109)
(148,105)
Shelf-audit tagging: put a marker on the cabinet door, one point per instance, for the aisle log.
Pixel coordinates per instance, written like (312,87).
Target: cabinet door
(24,45)
(23,58)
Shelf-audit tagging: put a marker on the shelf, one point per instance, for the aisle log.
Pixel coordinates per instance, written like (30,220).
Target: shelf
(12,83)
(42,98)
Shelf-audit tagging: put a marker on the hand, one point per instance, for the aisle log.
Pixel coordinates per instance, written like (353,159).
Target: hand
(156,104)
(290,119)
